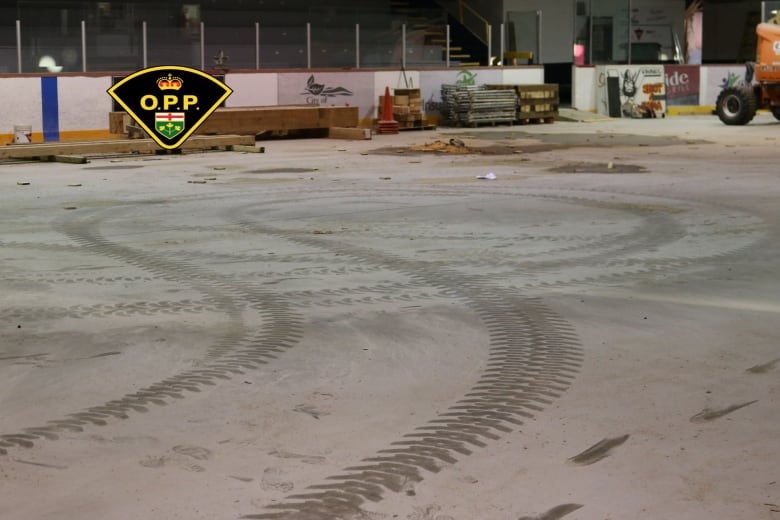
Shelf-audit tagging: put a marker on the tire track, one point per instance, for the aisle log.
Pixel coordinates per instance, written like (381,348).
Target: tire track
(533,355)
(240,349)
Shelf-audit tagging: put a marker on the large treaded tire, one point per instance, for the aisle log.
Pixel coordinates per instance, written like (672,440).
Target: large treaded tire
(736,105)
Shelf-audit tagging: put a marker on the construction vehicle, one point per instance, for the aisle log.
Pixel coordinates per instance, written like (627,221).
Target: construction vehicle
(737,105)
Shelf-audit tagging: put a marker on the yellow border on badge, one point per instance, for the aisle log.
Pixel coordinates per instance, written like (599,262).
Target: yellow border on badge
(151,132)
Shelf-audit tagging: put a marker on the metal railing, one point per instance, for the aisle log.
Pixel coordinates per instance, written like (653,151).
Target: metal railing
(472,20)
(23,50)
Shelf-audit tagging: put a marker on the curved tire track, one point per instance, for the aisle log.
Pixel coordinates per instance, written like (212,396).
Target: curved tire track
(533,354)
(238,351)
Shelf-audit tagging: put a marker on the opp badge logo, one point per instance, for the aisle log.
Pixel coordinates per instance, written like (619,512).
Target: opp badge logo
(169,102)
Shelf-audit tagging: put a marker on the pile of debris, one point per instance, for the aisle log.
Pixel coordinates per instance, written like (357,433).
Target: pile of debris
(471,105)
(454,146)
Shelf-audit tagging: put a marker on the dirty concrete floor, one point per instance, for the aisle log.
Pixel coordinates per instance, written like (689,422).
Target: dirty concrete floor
(359,330)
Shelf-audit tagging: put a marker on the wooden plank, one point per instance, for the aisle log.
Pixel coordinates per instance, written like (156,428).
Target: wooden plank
(416,127)
(70,159)
(411,93)
(23,151)
(256,120)
(245,148)
(358,134)
(118,122)
(115,125)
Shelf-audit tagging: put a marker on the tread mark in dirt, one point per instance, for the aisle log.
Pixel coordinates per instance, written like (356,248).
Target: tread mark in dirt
(523,332)
(238,351)
(533,354)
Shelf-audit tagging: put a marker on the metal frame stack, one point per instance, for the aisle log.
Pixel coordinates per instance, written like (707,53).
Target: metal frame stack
(472,105)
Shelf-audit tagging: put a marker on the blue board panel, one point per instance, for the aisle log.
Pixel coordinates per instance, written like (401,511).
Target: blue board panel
(50,109)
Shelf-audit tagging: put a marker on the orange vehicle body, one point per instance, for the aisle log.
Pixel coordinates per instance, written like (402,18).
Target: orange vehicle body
(737,104)
(768,53)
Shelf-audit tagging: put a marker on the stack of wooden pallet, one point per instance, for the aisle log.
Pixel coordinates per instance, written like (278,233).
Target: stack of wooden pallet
(407,108)
(535,103)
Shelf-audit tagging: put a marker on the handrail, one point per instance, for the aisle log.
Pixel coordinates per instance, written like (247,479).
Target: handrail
(463,6)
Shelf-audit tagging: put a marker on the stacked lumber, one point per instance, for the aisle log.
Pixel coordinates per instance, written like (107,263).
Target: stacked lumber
(407,107)
(473,105)
(534,102)
(74,151)
(256,120)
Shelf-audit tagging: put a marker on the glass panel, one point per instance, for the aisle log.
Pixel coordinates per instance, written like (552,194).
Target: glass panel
(332,36)
(770,12)
(380,47)
(8,57)
(380,37)
(522,36)
(230,47)
(114,37)
(424,46)
(173,34)
(282,47)
(52,40)
(51,37)
(609,31)
(474,22)
(581,38)
(655,33)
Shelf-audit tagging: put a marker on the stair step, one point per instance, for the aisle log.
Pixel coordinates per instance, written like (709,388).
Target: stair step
(430,19)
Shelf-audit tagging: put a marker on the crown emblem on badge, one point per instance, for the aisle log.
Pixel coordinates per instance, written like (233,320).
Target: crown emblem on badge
(169,83)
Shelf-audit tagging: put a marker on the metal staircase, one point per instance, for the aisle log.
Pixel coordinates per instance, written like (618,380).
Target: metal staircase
(467,46)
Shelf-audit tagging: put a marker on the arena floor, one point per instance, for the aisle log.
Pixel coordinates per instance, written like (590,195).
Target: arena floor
(380,329)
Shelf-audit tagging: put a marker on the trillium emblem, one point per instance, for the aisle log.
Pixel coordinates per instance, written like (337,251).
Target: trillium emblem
(169,124)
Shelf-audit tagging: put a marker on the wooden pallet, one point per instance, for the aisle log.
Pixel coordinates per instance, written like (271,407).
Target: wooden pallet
(52,151)
(407,107)
(535,103)
(536,117)
(417,127)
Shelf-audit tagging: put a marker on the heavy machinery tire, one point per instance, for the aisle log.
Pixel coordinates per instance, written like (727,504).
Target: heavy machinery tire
(775,112)
(736,105)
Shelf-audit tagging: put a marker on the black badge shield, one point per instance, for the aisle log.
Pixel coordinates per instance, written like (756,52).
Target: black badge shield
(169,102)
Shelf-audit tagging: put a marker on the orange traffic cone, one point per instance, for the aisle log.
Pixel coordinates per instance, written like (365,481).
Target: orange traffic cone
(387,125)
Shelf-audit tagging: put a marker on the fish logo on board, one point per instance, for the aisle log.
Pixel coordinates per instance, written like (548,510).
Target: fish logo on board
(170,102)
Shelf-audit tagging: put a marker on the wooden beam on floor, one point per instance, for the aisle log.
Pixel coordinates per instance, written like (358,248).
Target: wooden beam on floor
(244,148)
(69,159)
(356,134)
(257,120)
(114,146)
